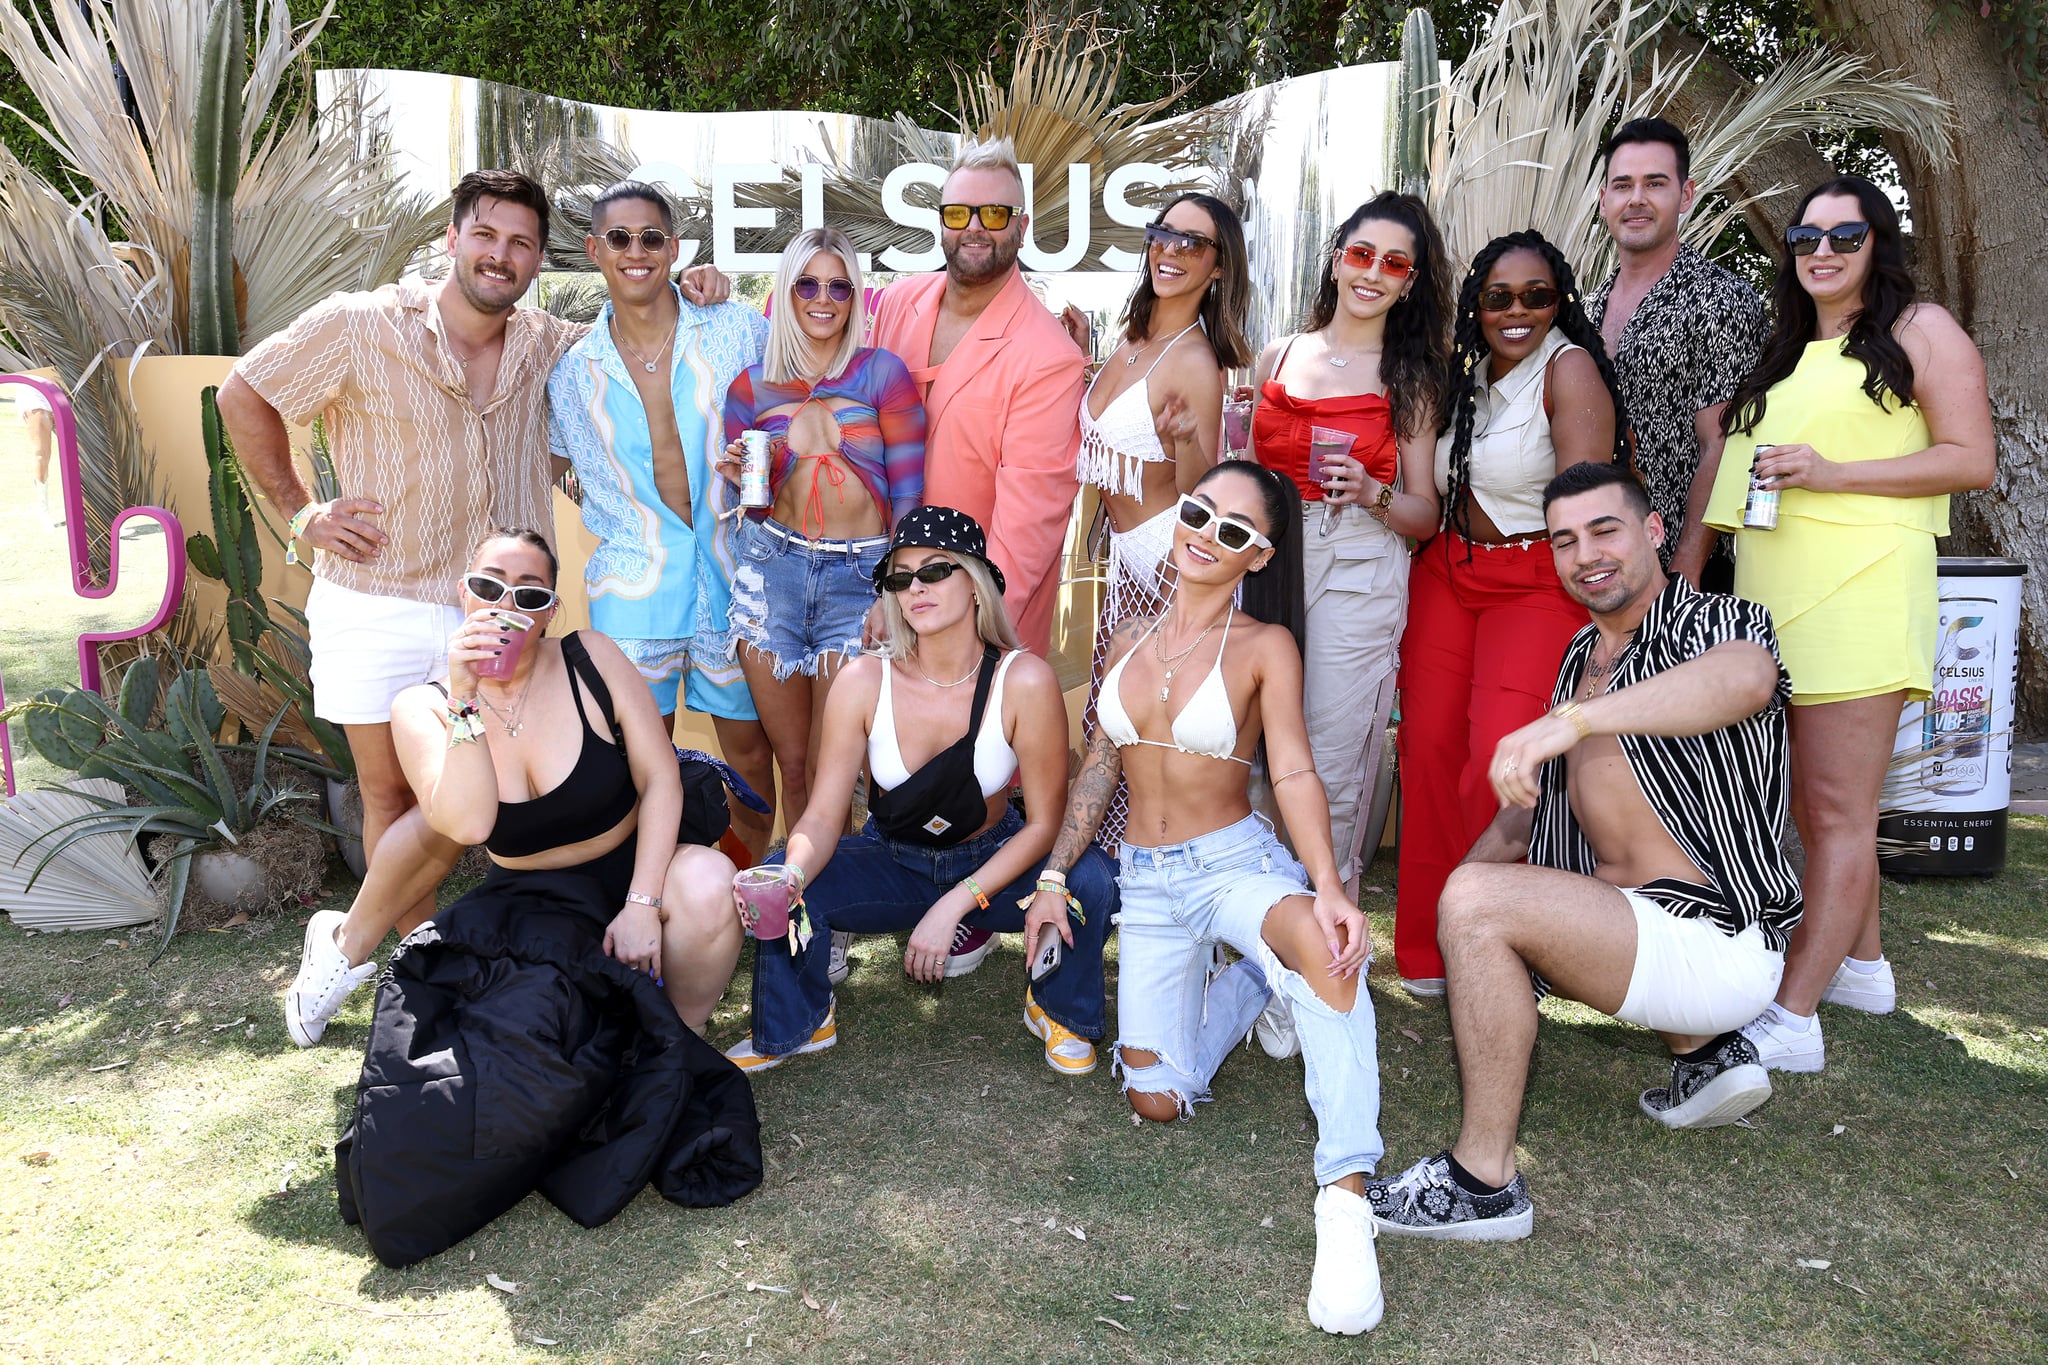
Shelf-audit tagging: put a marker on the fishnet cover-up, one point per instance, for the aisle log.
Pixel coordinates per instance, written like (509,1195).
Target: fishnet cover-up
(1137,587)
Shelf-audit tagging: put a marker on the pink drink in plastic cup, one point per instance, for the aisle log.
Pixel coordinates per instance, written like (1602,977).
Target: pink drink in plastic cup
(768,895)
(1237,426)
(1325,445)
(517,626)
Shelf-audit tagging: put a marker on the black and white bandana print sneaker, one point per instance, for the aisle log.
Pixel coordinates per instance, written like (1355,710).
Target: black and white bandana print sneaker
(1427,1201)
(1707,1094)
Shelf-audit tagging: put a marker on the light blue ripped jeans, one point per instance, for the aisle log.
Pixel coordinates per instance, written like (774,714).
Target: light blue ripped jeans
(1178,903)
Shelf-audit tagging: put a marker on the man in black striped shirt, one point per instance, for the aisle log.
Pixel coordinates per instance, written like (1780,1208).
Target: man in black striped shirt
(1650,804)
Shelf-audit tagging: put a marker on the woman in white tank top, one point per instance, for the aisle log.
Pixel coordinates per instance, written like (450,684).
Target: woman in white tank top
(942,718)
(1152,418)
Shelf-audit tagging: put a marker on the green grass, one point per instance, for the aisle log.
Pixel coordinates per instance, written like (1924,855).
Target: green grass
(913,1170)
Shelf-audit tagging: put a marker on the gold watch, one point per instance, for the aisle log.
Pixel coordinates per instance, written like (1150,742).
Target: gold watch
(1386,497)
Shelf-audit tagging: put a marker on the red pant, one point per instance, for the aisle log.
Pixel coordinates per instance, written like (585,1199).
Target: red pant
(1478,661)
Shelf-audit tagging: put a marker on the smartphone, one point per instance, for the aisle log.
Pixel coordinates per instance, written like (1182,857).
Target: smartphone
(1047,958)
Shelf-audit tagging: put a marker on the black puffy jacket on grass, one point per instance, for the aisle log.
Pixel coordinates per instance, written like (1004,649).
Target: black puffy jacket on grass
(509,1054)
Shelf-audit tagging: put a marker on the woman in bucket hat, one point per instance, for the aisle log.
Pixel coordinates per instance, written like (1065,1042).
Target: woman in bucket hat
(945,714)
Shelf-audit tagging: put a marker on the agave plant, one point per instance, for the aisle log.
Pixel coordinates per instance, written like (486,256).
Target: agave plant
(1522,120)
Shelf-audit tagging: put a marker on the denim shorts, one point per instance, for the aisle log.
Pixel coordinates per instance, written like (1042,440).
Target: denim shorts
(801,602)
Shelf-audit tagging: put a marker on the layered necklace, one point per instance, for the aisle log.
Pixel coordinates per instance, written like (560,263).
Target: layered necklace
(509,718)
(1173,664)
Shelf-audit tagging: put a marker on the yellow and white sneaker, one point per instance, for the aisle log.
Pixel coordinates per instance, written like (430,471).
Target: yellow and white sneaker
(1065,1051)
(743,1056)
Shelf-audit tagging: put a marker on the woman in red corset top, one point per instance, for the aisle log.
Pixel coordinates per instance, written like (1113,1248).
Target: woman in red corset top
(1532,394)
(1373,363)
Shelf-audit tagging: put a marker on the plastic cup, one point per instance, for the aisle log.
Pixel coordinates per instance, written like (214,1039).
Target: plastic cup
(1324,446)
(767,894)
(1237,426)
(518,626)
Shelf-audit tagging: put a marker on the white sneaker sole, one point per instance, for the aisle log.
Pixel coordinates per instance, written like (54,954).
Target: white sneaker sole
(1031,1027)
(1720,1101)
(1512,1228)
(1428,988)
(1347,1322)
(967,962)
(1868,1001)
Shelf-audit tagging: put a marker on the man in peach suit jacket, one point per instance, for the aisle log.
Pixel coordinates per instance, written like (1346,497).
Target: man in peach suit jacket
(1001,381)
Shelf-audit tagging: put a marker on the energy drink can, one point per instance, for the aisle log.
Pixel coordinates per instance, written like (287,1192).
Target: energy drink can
(1760,513)
(754,491)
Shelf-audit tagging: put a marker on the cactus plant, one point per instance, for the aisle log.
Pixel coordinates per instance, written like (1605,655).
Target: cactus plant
(1411,106)
(215,329)
(232,554)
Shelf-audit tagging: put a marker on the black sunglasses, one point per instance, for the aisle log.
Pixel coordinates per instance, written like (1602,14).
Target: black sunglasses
(526,596)
(1175,242)
(994,217)
(618,239)
(807,287)
(1498,298)
(937,571)
(1844,239)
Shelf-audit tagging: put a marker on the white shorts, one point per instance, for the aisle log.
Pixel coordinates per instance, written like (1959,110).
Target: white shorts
(1692,978)
(367,649)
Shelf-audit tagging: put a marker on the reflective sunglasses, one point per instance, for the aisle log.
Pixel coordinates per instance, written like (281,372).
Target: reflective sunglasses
(807,287)
(994,217)
(937,571)
(1844,239)
(526,597)
(1498,298)
(1394,266)
(618,239)
(1174,242)
(1234,534)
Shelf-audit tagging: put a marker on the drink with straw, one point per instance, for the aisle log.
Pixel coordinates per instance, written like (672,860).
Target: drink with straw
(1326,446)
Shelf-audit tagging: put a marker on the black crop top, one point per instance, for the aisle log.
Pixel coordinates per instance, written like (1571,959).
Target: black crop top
(596,795)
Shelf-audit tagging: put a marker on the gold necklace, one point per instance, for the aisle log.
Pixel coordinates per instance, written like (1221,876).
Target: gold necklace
(935,682)
(1173,665)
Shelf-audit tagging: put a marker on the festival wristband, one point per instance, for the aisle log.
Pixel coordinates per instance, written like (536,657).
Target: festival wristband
(465,723)
(651,902)
(1057,885)
(974,890)
(300,520)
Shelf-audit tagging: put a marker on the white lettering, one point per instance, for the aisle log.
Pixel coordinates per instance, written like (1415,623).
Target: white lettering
(1121,211)
(727,217)
(901,210)
(1068,256)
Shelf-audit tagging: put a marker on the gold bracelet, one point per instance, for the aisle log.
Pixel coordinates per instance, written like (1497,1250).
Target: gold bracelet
(1296,773)
(1572,712)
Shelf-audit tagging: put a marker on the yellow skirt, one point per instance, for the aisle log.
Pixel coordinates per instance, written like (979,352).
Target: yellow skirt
(1856,607)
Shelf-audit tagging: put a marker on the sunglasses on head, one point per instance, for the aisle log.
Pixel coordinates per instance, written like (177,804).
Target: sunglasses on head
(807,287)
(618,239)
(1498,298)
(526,596)
(1844,239)
(1234,534)
(1174,242)
(994,217)
(936,571)
(1394,266)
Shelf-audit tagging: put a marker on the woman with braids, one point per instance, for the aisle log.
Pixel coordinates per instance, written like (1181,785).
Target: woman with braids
(1532,394)
(1151,419)
(1373,362)
(1873,410)
(1190,696)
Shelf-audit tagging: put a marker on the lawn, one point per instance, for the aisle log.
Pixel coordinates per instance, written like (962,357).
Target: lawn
(934,1193)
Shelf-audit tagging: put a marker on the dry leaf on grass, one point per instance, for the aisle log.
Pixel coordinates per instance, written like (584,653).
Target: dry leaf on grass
(812,1303)
(766,1288)
(1124,1298)
(1267,1221)
(1814,1265)
(38,1158)
(1113,1323)
(501,1285)
(111,1066)
(546,1341)
(1411,1035)
(1079,1235)
(1839,1130)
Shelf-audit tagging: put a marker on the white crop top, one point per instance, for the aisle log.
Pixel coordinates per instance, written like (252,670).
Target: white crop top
(1206,727)
(995,762)
(1512,456)
(1116,447)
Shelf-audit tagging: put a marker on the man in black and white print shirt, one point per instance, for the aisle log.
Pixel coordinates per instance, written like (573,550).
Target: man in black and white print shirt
(1649,803)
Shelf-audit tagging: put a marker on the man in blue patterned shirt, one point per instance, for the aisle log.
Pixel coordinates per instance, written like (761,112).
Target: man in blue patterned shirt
(637,406)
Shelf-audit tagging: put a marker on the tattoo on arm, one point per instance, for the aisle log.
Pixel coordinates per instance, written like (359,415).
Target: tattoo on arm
(1093,790)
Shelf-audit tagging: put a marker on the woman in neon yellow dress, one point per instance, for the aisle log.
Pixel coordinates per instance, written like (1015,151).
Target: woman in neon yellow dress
(1874,409)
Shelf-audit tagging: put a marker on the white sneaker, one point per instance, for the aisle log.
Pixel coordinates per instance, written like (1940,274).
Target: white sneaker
(1781,1046)
(841,942)
(1425,987)
(1876,993)
(1275,1029)
(1344,1292)
(325,979)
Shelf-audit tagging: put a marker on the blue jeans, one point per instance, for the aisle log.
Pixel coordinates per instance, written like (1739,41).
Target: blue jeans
(1178,903)
(874,885)
(799,601)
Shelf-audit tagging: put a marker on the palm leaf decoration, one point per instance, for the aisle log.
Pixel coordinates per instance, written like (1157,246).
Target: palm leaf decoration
(98,882)
(1522,119)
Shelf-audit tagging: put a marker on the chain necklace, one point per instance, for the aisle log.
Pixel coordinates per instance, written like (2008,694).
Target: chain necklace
(649,364)
(509,719)
(1173,665)
(967,677)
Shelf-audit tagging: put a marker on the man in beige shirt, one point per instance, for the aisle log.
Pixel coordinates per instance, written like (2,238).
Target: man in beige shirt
(435,399)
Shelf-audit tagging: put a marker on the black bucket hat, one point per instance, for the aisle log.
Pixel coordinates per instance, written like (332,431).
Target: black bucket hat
(940,528)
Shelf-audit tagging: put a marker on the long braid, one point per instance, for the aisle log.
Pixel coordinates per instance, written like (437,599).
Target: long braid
(1471,354)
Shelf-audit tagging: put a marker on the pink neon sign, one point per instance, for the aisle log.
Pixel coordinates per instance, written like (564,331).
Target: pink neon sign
(64,428)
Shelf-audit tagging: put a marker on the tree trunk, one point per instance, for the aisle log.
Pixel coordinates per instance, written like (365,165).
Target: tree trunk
(1977,225)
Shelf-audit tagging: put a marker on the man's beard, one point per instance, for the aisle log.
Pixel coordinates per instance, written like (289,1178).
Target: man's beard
(1002,258)
(467,280)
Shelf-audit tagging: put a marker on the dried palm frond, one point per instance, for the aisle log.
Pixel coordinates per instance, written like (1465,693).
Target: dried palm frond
(99,882)
(574,298)
(1523,118)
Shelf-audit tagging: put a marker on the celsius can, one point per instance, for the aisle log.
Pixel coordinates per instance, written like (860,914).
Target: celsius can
(1760,513)
(754,491)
